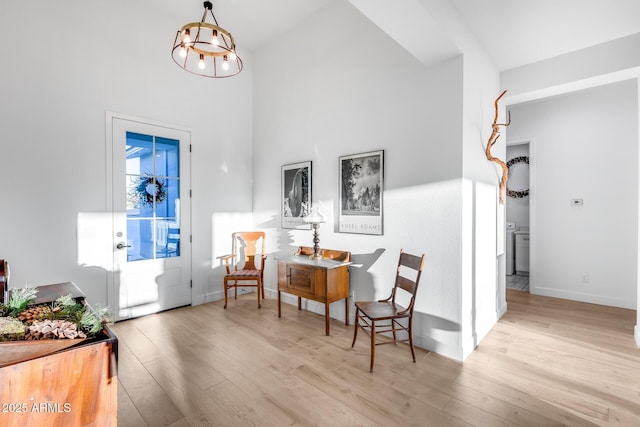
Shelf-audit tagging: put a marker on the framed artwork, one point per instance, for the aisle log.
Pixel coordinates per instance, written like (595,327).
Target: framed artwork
(361,178)
(296,194)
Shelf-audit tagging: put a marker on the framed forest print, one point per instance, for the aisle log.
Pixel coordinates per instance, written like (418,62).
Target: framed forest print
(361,179)
(296,194)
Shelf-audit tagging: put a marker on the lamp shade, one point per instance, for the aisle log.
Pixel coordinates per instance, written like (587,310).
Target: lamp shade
(316,216)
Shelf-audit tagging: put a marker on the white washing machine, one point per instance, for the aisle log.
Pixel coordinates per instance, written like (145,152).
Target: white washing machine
(511,248)
(522,250)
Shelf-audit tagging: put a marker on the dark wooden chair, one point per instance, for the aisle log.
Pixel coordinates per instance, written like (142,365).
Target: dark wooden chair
(245,264)
(4,280)
(375,317)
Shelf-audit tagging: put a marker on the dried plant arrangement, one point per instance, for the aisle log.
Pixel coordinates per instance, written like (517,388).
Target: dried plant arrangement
(64,318)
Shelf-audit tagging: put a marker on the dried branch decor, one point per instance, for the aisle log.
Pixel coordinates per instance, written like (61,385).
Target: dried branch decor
(495,134)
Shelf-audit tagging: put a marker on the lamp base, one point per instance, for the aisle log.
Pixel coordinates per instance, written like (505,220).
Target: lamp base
(316,242)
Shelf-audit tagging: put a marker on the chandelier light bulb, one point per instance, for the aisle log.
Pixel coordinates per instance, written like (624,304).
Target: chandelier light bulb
(205,48)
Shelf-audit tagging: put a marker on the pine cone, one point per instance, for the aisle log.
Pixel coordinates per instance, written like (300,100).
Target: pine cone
(38,312)
(54,329)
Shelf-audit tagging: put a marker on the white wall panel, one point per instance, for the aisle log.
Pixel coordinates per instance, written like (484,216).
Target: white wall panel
(78,60)
(586,148)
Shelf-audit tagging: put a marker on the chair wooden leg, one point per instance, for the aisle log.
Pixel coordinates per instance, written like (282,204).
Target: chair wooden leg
(373,344)
(235,283)
(226,291)
(258,292)
(346,311)
(393,328)
(326,318)
(413,353)
(279,311)
(356,324)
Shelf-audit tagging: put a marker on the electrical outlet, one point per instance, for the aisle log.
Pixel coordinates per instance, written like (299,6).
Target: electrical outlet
(585,278)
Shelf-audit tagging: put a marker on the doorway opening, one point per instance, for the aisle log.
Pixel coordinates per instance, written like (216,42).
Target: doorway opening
(517,208)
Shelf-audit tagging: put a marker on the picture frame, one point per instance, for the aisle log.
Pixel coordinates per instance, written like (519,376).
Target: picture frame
(296,195)
(361,193)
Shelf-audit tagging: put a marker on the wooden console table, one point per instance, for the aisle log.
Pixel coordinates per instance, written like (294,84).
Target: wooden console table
(325,280)
(76,386)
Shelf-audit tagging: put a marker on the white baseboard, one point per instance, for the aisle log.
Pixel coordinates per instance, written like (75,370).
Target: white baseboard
(583,297)
(208,297)
(336,310)
(637,335)
(217,295)
(450,351)
(271,293)
(308,305)
(502,310)
(481,331)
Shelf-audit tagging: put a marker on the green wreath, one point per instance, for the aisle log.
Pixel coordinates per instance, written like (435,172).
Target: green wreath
(150,189)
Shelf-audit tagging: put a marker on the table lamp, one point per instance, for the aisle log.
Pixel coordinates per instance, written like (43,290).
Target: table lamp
(315,218)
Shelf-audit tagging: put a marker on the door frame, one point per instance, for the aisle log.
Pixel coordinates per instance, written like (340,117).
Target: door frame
(109,118)
(531,141)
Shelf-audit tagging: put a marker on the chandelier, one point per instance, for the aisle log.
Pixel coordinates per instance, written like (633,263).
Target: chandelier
(206,49)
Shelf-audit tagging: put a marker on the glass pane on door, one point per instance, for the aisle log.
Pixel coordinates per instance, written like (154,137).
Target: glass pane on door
(153,197)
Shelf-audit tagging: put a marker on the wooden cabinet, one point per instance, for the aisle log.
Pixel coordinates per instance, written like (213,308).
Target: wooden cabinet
(325,280)
(77,386)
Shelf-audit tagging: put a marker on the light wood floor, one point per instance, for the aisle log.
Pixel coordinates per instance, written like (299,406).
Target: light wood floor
(546,362)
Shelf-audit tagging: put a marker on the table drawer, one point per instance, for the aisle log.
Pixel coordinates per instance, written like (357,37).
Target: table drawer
(301,280)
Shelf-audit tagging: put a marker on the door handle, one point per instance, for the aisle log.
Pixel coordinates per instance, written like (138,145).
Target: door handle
(122,246)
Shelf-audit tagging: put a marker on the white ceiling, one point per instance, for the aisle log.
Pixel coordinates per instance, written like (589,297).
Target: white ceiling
(513,32)
(519,32)
(252,22)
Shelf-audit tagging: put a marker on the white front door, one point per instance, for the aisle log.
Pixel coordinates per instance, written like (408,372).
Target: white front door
(151,205)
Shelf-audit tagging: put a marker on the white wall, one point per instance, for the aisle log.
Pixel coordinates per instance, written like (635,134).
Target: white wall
(637,327)
(357,90)
(316,98)
(351,91)
(480,299)
(587,148)
(69,64)
(609,62)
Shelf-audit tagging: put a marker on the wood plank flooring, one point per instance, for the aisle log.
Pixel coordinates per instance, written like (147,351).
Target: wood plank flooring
(547,362)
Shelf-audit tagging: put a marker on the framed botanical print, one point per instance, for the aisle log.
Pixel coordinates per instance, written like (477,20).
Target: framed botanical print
(361,185)
(296,194)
